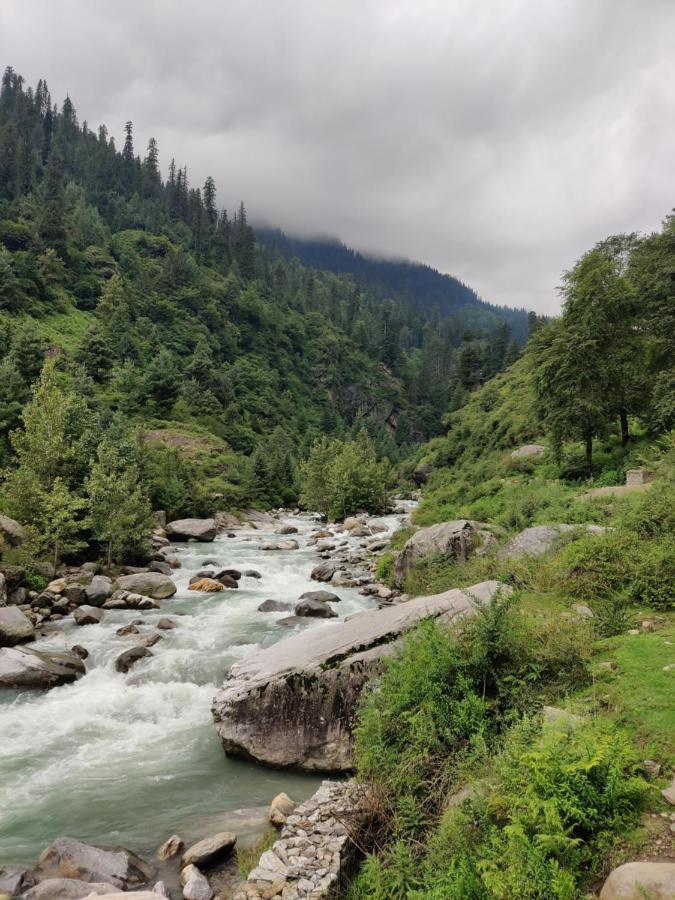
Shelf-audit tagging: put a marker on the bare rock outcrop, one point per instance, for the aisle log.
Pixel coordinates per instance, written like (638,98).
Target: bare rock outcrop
(638,880)
(192,529)
(457,539)
(539,539)
(21,667)
(293,704)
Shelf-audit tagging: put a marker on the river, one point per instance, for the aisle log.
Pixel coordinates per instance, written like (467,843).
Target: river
(130,759)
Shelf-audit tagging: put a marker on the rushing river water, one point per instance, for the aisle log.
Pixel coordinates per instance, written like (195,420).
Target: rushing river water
(130,759)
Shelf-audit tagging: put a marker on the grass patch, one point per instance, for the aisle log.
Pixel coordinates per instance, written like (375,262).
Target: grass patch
(247,857)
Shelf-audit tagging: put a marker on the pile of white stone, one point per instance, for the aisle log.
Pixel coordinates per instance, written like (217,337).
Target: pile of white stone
(314,852)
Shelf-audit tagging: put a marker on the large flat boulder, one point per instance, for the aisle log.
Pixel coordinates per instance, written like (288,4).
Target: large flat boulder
(11,532)
(24,668)
(149,584)
(640,880)
(293,704)
(539,539)
(15,626)
(456,539)
(70,889)
(68,858)
(192,529)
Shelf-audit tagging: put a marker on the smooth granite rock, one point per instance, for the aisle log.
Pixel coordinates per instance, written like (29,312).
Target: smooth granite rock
(24,668)
(293,704)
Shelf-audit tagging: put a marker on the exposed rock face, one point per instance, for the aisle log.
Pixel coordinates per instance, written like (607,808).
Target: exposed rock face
(209,849)
(528,450)
(195,529)
(68,858)
(15,626)
(540,539)
(150,584)
(637,880)
(11,532)
(293,704)
(456,539)
(24,668)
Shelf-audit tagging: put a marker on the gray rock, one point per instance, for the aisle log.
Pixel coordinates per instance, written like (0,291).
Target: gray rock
(274,606)
(457,539)
(281,545)
(252,573)
(3,589)
(24,668)
(162,567)
(15,879)
(668,793)
(228,581)
(171,847)
(231,573)
(286,529)
(75,593)
(195,885)
(322,596)
(293,704)
(87,615)
(539,539)
(98,591)
(166,624)
(528,450)
(315,608)
(583,611)
(324,571)
(192,529)
(127,659)
(639,880)
(15,626)
(280,809)
(67,858)
(80,651)
(209,849)
(11,532)
(293,621)
(150,584)
(69,889)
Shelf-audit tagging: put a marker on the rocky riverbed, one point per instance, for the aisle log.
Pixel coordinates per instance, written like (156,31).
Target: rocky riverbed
(128,757)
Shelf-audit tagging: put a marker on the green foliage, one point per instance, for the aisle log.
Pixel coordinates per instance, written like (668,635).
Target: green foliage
(61,522)
(120,513)
(340,478)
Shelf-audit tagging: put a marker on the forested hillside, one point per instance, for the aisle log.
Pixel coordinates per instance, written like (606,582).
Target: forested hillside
(421,286)
(162,311)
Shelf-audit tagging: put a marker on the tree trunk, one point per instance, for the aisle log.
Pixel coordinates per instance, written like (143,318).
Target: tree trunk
(625,435)
(109,555)
(589,452)
(55,561)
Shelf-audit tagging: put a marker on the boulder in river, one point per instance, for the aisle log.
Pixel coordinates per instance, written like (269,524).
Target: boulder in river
(87,615)
(171,847)
(150,584)
(192,529)
(206,586)
(209,849)
(456,539)
(98,590)
(127,659)
(293,704)
(316,608)
(274,606)
(68,858)
(14,880)
(324,571)
(166,624)
(281,545)
(15,626)
(286,529)
(322,596)
(230,573)
(164,568)
(21,667)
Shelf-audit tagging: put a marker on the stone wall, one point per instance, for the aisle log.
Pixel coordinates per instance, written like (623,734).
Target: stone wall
(314,854)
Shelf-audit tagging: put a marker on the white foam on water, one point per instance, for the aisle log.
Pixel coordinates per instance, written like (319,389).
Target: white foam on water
(126,759)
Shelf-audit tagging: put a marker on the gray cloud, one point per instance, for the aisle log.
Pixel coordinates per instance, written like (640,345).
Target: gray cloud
(495,141)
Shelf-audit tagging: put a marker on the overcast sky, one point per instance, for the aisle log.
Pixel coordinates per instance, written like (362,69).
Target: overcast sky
(496,141)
